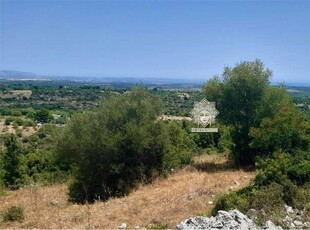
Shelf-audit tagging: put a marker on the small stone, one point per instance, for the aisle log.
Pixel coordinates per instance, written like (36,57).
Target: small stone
(210,202)
(237,183)
(54,202)
(252,213)
(262,211)
(289,209)
(137,227)
(297,223)
(122,226)
(270,225)
(217,224)
(307,224)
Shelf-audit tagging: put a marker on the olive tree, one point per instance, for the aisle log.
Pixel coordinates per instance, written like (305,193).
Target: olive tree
(114,147)
(239,94)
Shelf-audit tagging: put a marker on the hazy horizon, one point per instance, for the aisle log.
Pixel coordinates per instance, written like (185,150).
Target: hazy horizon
(155,39)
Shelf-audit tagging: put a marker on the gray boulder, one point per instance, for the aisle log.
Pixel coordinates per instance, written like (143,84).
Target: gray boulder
(233,219)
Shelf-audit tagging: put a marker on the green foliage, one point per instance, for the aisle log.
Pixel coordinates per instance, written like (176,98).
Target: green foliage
(239,95)
(231,201)
(29,123)
(249,197)
(281,167)
(180,149)
(42,115)
(115,147)
(19,121)
(8,121)
(282,178)
(12,163)
(286,131)
(272,169)
(13,213)
(300,173)
(302,199)
(2,185)
(206,140)
(157,226)
(21,165)
(225,142)
(269,198)
(263,118)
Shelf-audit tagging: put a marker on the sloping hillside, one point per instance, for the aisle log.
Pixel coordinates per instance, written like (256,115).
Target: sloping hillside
(165,202)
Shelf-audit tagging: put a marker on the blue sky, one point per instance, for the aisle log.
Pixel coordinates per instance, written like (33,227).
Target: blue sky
(165,39)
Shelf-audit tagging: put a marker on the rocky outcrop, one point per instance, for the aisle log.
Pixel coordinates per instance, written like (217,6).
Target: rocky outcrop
(295,218)
(224,220)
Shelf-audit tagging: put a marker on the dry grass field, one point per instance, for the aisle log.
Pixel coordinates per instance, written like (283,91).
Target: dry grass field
(165,202)
(10,129)
(16,94)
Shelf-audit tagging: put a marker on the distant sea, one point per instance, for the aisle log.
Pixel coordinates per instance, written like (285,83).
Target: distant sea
(292,84)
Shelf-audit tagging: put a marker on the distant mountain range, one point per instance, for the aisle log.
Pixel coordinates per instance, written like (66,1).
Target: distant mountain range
(16,74)
(19,75)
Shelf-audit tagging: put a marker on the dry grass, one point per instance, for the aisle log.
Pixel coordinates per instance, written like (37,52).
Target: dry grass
(16,94)
(10,129)
(164,202)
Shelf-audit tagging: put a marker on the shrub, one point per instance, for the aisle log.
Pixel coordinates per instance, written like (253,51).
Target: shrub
(269,198)
(42,115)
(19,132)
(302,199)
(19,122)
(8,121)
(115,147)
(13,163)
(29,123)
(286,131)
(13,213)
(180,149)
(234,200)
(299,173)
(272,169)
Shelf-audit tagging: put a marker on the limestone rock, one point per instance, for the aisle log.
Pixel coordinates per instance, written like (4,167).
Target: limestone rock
(223,220)
(122,226)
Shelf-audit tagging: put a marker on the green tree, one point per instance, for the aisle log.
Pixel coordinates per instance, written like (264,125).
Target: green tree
(180,147)
(241,96)
(286,131)
(115,147)
(42,115)
(12,163)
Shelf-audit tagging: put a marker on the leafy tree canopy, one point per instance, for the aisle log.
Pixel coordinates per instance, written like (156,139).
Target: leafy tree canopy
(245,98)
(115,147)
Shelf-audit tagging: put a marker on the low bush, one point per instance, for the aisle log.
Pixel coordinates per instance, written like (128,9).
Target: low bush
(281,179)
(13,213)
(239,200)
(302,199)
(8,121)
(180,149)
(269,198)
(273,169)
(299,173)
